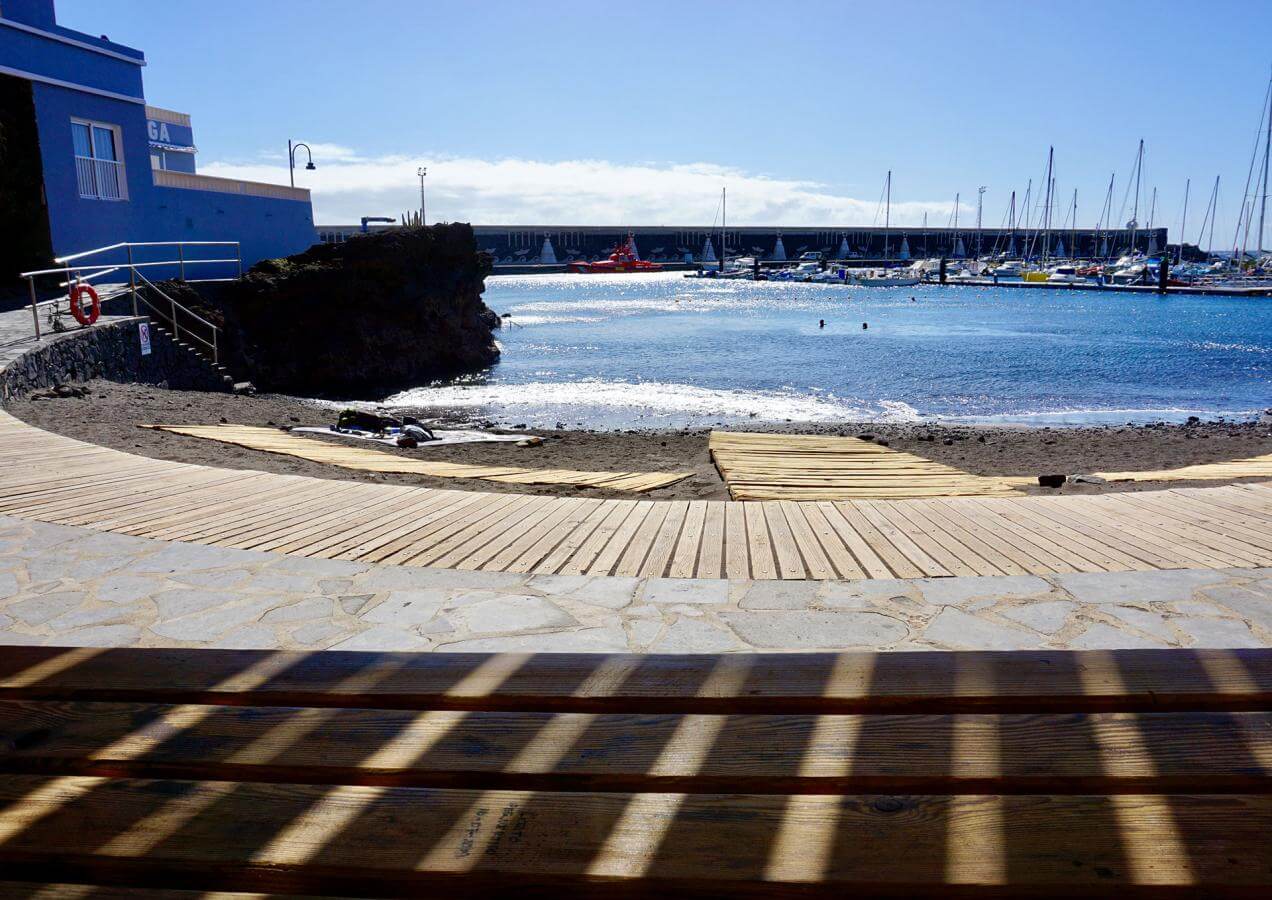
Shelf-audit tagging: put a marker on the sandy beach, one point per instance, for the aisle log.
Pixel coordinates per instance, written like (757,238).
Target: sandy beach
(110,413)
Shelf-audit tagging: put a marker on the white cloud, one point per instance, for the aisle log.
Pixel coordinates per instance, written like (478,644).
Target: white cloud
(570,192)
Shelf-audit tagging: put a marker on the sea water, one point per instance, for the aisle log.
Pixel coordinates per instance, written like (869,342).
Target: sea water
(659,351)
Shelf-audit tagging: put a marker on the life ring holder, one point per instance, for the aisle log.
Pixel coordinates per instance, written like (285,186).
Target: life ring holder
(83,316)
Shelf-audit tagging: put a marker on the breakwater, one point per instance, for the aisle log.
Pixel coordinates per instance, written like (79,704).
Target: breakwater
(554,244)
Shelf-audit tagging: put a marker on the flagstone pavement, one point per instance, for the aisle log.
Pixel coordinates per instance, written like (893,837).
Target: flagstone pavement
(68,586)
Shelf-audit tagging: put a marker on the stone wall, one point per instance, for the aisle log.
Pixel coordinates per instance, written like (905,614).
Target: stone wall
(110,351)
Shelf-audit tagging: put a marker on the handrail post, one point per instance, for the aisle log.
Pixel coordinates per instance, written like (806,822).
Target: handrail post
(216,354)
(238,253)
(132,280)
(181,259)
(35,312)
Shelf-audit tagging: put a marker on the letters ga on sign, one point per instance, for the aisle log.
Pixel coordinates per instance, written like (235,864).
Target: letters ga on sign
(143,331)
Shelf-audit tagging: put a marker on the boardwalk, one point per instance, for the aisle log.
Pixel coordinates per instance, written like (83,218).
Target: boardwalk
(51,478)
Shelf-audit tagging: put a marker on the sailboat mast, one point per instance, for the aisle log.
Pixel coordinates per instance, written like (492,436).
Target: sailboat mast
(724,223)
(1106,214)
(1073,227)
(1051,183)
(1139,168)
(1214,206)
(887,214)
(1183,222)
(1267,150)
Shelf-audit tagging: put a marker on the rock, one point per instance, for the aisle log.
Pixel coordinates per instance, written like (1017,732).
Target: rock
(244,387)
(407,442)
(949,442)
(1193,420)
(865,436)
(371,315)
(1052,481)
(882,442)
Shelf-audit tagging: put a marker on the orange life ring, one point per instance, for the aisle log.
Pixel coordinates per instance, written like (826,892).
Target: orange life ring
(89,316)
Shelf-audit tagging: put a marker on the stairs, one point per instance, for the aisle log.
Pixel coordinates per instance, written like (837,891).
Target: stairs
(164,331)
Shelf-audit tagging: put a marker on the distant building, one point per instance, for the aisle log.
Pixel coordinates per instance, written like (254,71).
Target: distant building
(86,163)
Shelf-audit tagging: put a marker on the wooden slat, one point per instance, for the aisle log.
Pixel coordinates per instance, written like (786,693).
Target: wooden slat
(421,840)
(1038,681)
(1197,752)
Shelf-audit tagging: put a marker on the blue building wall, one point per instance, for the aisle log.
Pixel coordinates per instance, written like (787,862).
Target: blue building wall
(101,87)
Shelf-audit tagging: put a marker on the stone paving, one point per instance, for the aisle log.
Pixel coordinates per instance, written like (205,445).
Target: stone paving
(17,331)
(70,586)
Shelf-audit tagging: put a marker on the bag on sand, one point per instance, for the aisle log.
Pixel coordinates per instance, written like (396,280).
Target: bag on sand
(419,432)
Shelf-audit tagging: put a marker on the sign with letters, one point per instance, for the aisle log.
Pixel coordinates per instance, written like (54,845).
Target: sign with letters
(143,331)
(158,131)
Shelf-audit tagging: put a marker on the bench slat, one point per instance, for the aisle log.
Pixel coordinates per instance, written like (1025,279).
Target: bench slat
(1209,752)
(19,890)
(395,840)
(1040,681)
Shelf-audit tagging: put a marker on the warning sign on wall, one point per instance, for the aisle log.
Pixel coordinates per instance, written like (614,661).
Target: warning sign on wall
(143,330)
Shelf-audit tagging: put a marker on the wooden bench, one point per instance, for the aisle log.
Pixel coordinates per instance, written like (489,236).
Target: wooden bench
(165,773)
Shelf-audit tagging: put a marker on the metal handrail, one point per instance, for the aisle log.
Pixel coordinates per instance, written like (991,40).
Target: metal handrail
(77,274)
(176,326)
(63,259)
(114,267)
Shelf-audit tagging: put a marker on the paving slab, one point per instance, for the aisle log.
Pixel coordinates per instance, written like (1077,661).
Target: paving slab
(62,585)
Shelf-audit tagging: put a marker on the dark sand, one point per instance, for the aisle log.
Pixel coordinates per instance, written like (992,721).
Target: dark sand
(110,415)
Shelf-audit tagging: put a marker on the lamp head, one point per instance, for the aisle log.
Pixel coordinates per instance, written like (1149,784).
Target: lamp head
(310,165)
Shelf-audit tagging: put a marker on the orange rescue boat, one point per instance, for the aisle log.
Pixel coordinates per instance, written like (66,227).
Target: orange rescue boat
(622,259)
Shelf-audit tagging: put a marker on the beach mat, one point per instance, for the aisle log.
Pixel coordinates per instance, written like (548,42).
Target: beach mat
(366,459)
(814,467)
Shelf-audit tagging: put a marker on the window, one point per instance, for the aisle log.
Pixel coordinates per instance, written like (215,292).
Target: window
(98,167)
(156,159)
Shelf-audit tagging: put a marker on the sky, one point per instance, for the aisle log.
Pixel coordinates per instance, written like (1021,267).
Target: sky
(637,113)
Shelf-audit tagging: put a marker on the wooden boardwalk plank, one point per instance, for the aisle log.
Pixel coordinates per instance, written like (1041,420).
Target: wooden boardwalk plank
(57,479)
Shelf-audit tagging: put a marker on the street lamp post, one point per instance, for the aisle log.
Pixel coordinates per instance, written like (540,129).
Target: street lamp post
(291,159)
(422,171)
(980,203)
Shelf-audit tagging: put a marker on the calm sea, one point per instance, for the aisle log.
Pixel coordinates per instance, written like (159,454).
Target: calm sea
(655,351)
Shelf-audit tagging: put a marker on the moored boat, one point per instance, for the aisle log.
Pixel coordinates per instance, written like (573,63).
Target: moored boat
(623,259)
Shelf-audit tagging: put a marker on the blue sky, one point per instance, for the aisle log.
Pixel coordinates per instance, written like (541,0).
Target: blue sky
(637,112)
